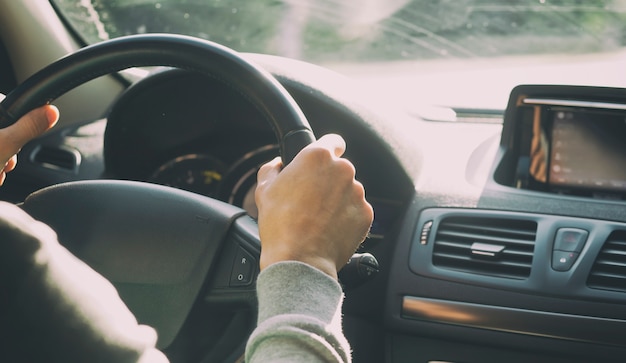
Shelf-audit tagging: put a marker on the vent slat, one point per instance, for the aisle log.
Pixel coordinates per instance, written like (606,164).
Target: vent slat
(614,252)
(609,269)
(479,237)
(609,263)
(456,235)
(599,274)
(484,229)
(479,262)
(466,248)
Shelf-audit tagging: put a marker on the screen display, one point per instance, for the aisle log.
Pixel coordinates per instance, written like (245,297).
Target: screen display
(588,149)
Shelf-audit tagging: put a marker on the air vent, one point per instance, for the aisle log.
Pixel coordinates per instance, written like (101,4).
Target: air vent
(59,158)
(609,270)
(488,246)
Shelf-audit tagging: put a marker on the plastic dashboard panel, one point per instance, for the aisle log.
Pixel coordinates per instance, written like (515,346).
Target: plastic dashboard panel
(549,315)
(542,280)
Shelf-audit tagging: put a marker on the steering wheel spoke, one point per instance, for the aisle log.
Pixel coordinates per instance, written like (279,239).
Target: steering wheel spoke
(155,244)
(236,269)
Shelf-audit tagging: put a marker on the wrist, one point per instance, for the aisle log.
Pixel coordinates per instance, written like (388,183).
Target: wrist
(323,264)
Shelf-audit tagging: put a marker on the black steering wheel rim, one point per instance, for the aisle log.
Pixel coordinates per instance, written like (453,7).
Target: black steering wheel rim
(292,130)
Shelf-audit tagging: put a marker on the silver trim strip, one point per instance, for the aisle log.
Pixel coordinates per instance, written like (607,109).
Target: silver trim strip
(530,322)
(574,103)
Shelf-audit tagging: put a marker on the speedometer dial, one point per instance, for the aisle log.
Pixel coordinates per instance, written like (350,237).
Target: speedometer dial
(196,173)
(239,183)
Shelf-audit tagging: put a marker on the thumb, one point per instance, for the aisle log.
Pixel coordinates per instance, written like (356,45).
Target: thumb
(28,127)
(333,142)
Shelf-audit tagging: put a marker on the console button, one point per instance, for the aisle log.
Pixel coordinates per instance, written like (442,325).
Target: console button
(570,239)
(243,268)
(563,260)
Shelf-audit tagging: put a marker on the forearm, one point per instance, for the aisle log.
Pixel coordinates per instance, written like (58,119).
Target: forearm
(299,317)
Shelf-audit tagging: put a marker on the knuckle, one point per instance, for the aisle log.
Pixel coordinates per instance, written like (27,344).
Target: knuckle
(317,153)
(359,190)
(346,167)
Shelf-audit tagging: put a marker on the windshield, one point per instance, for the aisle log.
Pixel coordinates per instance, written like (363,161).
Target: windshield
(387,40)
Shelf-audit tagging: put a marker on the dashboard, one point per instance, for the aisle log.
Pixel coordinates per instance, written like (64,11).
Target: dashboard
(496,242)
(537,259)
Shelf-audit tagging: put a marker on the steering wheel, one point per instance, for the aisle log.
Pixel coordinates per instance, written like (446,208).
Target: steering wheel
(163,249)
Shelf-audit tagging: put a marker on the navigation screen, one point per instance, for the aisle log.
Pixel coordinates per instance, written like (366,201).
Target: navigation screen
(588,150)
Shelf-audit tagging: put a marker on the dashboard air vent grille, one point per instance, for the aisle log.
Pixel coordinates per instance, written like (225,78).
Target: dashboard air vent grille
(609,269)
(57,158)
(498,247)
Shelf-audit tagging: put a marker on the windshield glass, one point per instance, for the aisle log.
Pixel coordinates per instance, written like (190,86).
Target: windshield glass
(383,41)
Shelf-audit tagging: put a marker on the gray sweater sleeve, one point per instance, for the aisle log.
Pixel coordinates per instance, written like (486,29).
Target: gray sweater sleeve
(55,308)
(299,317)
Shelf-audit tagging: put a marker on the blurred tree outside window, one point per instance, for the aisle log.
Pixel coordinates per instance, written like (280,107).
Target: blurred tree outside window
(366,30)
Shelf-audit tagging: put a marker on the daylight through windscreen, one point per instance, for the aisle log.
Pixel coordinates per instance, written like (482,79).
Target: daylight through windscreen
(355,31)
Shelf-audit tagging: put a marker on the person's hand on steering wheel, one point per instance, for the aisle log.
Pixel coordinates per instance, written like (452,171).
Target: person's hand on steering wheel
(28,127)
(313,210)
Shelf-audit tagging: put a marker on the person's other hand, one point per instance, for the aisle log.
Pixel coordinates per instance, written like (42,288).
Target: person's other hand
(313,210)
(28,127)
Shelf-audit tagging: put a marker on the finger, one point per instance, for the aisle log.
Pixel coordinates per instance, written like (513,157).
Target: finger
(332,142)
(268,172)
(10,164)
(28,127)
